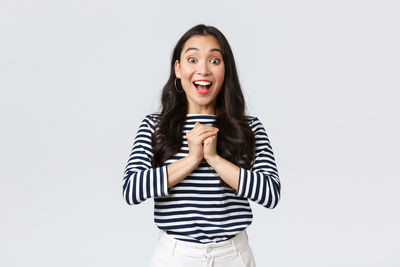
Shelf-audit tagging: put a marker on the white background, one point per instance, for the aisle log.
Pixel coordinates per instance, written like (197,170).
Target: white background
(77,78)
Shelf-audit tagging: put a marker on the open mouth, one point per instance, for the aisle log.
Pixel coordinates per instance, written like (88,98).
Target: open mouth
(202,85)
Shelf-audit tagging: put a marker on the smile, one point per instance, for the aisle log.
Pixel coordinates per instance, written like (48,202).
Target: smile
(202,86)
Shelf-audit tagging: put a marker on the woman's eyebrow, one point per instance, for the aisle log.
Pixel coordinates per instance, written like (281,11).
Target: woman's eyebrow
(196,49)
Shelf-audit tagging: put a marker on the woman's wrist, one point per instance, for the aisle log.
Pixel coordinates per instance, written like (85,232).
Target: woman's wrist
(212,160)
(193,161)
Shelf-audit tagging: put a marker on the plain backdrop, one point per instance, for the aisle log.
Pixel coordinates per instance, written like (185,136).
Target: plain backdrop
(77,78)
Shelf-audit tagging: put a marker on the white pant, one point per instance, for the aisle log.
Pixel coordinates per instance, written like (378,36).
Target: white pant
(234,252)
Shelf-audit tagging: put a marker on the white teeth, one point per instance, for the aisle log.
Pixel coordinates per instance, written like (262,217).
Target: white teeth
(202,83)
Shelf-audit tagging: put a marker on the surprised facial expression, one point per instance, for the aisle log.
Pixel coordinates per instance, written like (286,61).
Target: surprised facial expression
(201,70)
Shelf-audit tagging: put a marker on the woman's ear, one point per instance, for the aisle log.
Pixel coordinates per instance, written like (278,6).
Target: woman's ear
(177,69)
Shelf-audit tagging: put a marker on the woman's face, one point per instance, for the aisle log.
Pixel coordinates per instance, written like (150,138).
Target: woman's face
(201,70)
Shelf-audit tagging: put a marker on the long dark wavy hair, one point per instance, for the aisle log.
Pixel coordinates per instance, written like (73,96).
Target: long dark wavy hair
(235,139)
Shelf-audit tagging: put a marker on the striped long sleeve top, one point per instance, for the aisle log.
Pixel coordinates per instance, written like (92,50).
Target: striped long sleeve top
(198,209)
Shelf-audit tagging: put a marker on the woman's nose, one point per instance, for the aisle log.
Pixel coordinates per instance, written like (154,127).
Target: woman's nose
(203,68)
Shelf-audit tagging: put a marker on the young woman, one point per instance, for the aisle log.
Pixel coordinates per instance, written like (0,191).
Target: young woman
(201,159)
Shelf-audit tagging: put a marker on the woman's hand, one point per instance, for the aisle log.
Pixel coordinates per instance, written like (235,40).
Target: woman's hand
(196,137)
(210,146)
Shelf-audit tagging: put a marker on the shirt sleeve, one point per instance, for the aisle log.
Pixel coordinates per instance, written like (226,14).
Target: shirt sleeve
(261,183)
(140,181)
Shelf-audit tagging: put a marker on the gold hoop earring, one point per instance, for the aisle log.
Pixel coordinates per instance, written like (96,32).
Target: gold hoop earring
(176,87)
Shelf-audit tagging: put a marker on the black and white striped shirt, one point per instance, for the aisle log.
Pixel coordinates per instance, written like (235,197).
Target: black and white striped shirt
(198,209)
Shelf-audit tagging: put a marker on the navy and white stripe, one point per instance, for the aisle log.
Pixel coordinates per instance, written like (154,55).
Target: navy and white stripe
(198,209)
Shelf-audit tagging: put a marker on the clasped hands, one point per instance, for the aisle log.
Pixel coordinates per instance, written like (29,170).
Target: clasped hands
(202,142)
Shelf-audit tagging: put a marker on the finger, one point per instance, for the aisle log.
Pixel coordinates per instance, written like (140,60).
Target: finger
(207,134)
(199,139)
(197,123)
(210,130)
(196,127)
(204,128)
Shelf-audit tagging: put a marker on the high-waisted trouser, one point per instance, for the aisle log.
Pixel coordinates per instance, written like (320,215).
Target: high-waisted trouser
(234,252)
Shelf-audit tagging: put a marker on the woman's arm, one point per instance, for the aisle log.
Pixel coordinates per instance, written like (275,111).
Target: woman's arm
(140,180)
(180,169)
(228,171)
(261,183)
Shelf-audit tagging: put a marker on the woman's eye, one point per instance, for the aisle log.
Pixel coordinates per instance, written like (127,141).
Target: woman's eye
(191,59)
(215,60)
